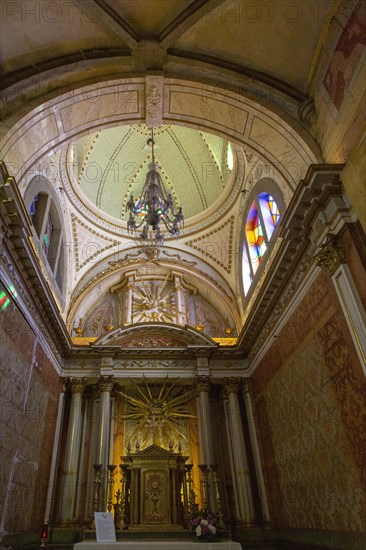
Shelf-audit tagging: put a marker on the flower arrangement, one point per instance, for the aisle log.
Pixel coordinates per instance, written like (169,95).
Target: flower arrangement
(204,526)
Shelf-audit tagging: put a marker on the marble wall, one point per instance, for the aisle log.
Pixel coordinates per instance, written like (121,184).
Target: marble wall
(309,394)
(29,389)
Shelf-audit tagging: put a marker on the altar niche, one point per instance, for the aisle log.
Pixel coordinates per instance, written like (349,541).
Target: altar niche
(155,489)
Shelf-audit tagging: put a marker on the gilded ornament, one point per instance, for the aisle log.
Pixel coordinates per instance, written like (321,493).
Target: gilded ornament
(231,385)
(105,383)
(330,255)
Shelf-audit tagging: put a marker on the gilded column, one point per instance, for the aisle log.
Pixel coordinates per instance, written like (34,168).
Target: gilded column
(241,478)
(256,454)
(105,385)
(70,474)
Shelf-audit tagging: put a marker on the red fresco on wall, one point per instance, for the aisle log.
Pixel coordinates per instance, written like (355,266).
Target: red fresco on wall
(346,56)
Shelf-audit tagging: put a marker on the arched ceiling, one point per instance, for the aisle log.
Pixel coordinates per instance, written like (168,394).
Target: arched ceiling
(112,164)
(85,77)
(274,42)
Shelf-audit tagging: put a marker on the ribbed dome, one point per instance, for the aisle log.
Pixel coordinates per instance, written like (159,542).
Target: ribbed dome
(111,164)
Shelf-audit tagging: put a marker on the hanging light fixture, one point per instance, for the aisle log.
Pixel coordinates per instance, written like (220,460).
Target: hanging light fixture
(155,206)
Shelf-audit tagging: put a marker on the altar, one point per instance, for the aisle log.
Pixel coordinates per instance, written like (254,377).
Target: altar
(157,545)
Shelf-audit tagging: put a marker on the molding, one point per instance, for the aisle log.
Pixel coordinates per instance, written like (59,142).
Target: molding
(294,252)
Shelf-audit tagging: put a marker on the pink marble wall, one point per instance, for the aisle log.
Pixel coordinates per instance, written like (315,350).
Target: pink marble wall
(309,393)
(29,389)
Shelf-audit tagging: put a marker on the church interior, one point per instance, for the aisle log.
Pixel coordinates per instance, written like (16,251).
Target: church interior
(182,275)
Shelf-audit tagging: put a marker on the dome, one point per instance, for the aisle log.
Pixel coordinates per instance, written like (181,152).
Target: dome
(112,164)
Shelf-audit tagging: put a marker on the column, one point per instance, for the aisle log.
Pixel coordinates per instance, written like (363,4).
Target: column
(256,454)
(105,385)
(130,287)
(55,451)
(204,420)
(178,300)
(241,478)
(70,474)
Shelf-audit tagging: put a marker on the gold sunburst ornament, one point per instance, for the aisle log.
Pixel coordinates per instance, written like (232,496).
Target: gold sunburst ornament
(157,413)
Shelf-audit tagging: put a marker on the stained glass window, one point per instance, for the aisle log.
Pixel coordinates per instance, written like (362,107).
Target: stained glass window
(269,211)
(47,235)
(255,238)
(262,219)
(33,206)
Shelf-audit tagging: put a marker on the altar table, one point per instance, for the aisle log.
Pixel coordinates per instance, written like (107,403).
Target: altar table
(157,545)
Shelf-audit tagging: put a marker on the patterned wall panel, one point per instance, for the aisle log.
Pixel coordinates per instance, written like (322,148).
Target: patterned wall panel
(28,396)
(309,393)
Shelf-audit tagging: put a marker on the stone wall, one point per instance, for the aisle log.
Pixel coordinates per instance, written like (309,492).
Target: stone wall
(309,393)
(29,395)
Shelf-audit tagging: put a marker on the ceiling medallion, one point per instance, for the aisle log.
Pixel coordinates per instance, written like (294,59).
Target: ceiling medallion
(155,206)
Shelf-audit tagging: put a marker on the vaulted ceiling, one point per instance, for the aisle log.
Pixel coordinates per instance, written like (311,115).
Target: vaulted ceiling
(257,59)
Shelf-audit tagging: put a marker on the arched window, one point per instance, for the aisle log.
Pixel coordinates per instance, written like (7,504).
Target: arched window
(48,232)
(262,218)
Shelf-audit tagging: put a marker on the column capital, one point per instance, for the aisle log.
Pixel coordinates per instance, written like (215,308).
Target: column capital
(105,383)
(232,385)
(202,383)
(246,388)
(77,385)
(330,254)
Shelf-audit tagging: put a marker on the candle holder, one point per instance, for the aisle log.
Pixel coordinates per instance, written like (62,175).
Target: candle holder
(215,481)
(111,468)
(192,506)
(97,485)
(205,486)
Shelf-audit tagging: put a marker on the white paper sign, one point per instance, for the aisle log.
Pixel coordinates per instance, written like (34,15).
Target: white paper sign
(104,526)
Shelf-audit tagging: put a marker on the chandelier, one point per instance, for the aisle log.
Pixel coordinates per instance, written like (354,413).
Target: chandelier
(154,207)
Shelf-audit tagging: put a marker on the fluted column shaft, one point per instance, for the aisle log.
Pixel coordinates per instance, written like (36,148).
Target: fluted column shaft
(56,444)
(256,454)
(241,476)
(178,298)
(204,420)
(105,385)
(72,451)
(129,303)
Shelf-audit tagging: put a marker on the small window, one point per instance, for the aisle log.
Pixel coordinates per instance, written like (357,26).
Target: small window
(230,157)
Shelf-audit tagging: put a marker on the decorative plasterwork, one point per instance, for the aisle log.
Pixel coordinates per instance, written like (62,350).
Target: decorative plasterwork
(330,254)
(154,100)
(89,244)
(217,245)
(295,256)
(21,263)
(155,335)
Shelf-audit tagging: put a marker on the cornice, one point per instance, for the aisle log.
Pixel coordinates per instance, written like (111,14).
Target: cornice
(21,260)
(292,256)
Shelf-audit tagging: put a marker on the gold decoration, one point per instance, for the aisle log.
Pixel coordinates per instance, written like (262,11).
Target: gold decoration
(330,255)
(158,412)
(79,329)
(231,385)
(202,383)
(105,383)
(77,385)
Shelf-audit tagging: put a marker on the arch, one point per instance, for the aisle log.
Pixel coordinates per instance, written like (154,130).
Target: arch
(282,141)
(48,228)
